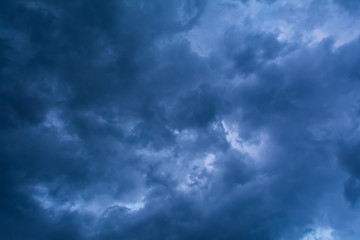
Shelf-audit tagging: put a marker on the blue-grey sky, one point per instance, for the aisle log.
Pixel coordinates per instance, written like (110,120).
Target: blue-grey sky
(180,120)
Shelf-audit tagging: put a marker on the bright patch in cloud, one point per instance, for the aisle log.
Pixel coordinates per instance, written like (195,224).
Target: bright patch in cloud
(320,234)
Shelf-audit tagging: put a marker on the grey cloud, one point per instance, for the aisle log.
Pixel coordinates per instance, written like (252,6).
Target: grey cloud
(115,126)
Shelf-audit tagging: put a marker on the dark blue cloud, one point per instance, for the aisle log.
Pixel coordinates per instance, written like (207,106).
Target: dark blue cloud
(179,120)
(351,5)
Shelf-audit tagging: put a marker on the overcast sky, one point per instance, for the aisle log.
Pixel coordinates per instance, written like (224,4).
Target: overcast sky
(180,120)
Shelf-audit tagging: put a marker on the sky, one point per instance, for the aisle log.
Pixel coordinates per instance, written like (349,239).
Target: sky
(180,120)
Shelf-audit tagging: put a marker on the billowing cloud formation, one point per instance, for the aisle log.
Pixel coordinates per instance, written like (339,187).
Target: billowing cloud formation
(179,120)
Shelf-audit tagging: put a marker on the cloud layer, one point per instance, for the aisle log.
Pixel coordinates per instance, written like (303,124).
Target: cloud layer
(179,120)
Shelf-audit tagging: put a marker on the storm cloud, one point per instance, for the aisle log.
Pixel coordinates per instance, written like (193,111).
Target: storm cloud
(175,119)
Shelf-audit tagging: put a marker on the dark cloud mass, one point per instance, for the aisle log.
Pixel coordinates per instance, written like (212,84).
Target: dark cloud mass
(179,120)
